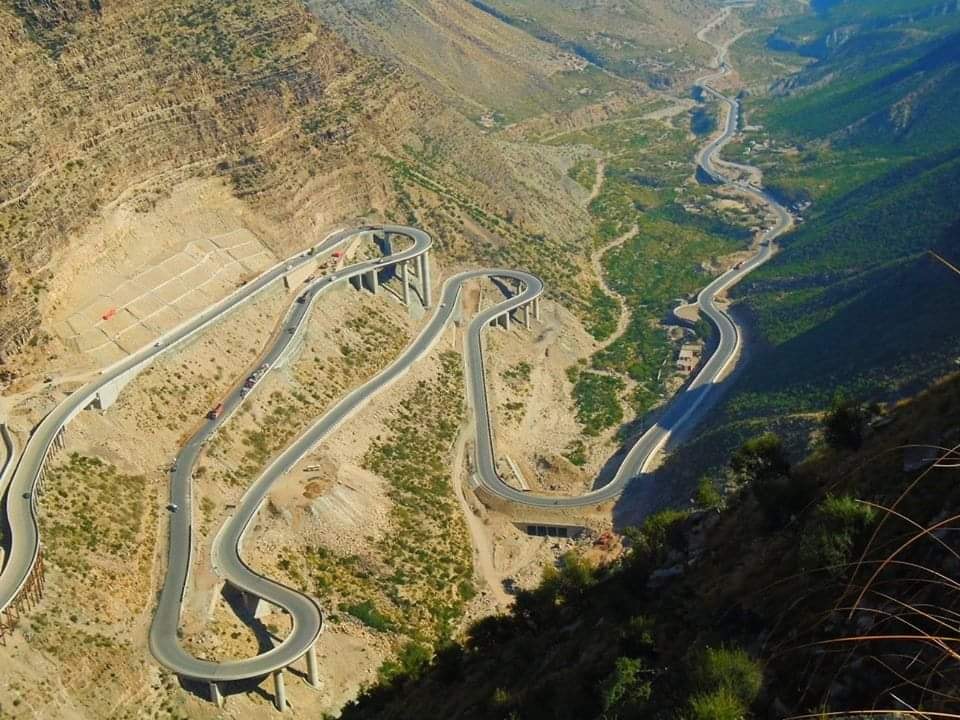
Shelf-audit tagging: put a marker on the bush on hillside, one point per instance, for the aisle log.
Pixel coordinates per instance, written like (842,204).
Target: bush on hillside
(651,542)
(707,495)
(844,425)
(762,464)
(836,533)
(560,586)
(636,636)
(624,693)
(726,681)
(718,705)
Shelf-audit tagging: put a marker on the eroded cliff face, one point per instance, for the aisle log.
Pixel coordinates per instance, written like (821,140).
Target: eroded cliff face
(116,105)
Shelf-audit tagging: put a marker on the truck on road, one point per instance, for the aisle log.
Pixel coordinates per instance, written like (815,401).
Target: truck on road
(216,412)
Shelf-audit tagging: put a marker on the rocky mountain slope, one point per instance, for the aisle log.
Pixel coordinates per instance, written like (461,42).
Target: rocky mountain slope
(109,106)
(504,61)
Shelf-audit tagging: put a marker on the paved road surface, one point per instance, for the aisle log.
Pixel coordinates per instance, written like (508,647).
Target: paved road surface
(304,612)
(682,410)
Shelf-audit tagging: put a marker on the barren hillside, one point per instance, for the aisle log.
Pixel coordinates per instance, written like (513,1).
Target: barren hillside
(108,108)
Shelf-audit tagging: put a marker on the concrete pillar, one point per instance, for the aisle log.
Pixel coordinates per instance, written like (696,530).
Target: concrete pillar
(372,282)
(506,321)
(279,691)
(425,279)
(356,281)
(216,697)
(313,677)
(405,279)
(526,316)
(536,309)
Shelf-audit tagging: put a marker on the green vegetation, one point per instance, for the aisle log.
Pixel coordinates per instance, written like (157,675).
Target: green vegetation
(81,488)
(720,616)
(605,313)
(844,425)
(854,305)
(519,374)
(597,399)
(727,683)
(836,533)
(367,613)
(645,187)
(548,257)
(414,584)
(707,494)
(584,172)
(576,453)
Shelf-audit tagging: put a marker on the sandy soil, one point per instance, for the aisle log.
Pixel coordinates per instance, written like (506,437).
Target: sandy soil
(161,404)
(135,275)
(534,420)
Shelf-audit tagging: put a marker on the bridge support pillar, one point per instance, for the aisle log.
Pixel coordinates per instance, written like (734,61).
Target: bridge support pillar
(216,697)
(536,309)
(425,279)
(313,676)
(372,282)
(526,316)
(405,279)
(506,320)
(356,281)
(279,690)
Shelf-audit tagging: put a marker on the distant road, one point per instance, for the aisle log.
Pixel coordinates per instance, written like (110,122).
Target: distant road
(682,411)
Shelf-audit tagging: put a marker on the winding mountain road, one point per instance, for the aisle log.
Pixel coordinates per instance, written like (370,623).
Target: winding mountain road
(305,613)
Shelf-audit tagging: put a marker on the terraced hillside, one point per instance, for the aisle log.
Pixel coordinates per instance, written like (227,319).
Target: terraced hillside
(651,41)
(109,107)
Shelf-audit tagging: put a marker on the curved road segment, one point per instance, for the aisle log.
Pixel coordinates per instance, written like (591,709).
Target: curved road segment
(21,491)
(304,612)
(680,413)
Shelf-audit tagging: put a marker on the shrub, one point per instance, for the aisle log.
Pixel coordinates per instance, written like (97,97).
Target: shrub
(762,464)
(625,691)
(728,670)
(718,705)
(636,636)
(490,631)
(707,495)
(659,533)
(837,529)
(843,426)
(367,613)
(409,664)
